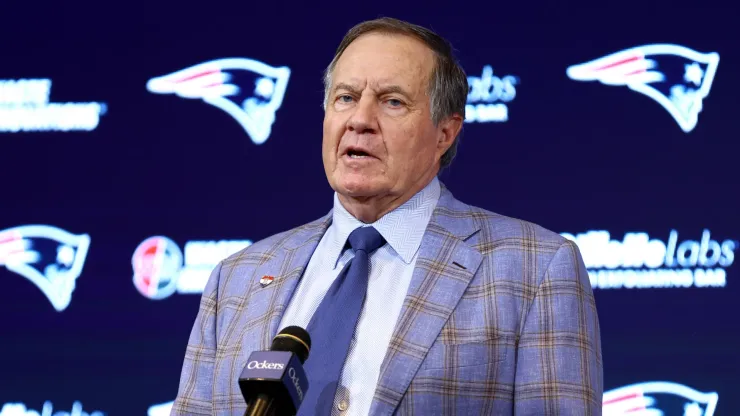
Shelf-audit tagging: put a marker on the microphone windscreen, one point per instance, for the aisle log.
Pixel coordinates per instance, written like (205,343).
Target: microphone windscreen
(293,339)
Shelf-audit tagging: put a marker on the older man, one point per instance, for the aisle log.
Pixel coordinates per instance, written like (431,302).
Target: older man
(416,303)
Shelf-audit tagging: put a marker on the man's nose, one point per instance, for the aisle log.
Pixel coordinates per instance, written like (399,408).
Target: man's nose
(364,119)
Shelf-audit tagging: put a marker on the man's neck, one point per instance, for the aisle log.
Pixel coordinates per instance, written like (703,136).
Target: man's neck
(371,208)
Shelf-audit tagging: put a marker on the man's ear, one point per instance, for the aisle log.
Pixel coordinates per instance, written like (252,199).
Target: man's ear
(449,128)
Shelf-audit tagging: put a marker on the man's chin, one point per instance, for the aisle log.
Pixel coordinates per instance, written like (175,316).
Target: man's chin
(359,188)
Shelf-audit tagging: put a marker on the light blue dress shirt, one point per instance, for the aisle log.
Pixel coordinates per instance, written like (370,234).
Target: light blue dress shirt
(391,268)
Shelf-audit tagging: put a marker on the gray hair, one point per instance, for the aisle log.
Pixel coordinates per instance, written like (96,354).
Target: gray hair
(448,86)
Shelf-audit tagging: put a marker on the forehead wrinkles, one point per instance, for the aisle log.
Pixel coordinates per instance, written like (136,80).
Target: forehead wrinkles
(360,85)
(378,60)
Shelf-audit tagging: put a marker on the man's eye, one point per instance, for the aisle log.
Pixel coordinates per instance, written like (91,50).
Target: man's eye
(394,102)
(344,98)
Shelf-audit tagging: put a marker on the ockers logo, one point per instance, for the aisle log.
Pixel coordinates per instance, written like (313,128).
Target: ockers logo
(49,257)
(294,378)
(658,398)
(248,90)
(264,365)
(488,96)
(161,268)
(676,77)
(639,261)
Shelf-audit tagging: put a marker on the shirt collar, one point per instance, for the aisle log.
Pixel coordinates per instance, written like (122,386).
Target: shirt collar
(403,228)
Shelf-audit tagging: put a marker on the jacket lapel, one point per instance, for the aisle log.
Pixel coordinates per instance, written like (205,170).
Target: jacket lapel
(444,268)
(285,262)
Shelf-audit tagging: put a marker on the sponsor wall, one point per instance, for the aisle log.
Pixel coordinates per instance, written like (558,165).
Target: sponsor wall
(139,149)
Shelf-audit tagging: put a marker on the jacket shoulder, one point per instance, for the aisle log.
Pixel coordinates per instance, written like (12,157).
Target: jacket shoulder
(267,247)
(502,230)
(524,252)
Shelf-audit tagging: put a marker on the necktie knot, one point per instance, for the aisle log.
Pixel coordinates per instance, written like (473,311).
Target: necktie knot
(367,239)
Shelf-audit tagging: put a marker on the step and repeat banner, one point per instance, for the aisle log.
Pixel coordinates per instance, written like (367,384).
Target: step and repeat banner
(141,144)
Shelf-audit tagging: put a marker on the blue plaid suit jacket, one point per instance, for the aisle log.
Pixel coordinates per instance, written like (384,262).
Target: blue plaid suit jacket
(499,319)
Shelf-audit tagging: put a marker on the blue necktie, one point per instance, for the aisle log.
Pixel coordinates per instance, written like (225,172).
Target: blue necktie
(333,324)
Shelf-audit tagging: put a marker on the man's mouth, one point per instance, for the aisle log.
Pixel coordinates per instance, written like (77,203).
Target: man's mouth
(357,154)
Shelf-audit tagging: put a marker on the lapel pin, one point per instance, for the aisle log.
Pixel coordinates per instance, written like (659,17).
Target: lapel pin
(266,280)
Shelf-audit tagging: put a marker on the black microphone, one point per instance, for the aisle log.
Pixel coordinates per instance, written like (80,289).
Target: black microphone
(273,382)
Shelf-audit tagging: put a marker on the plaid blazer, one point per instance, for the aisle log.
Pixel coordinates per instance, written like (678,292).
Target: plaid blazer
(499,319)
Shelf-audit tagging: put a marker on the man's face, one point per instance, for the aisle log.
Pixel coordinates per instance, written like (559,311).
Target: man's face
(379,139)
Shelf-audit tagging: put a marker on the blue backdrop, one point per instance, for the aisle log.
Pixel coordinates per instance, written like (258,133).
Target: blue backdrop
(123,186)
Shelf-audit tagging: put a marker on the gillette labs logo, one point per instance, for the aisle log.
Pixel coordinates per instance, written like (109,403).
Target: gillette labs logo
(49,257)
(249,91)
(658,398)
(25,107)
(159,270)
(488,97)
(19,409)
(640,262)
(676,77)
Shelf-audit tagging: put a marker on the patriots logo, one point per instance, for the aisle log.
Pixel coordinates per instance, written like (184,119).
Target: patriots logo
(48,256)
(248,90)
(678,78)
(658,398)
(162,409)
